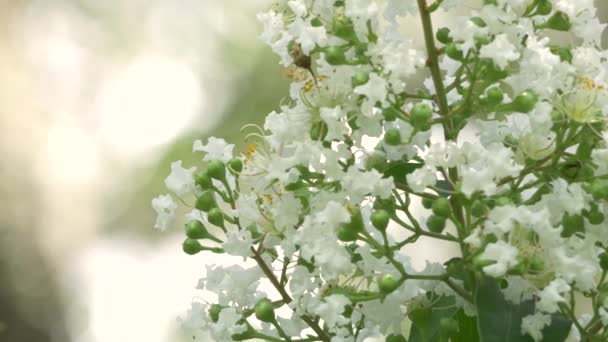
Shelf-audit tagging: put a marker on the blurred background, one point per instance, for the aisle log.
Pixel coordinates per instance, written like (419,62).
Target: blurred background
(96,99)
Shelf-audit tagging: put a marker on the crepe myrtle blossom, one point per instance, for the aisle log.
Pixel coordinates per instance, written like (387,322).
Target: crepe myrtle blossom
(488,135)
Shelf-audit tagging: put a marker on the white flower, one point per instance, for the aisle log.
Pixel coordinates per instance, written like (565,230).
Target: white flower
(217,149)
(551,295)
(375,90)
(165,209)
(504,255)
(534,324)
(227,325)
(500,50)
(330,310)
(238,242)
(334,118)
(422,178)
(181,180)
(307,35)
(362,183)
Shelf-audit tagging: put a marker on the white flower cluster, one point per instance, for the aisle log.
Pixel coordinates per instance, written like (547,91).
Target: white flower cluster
(518,181)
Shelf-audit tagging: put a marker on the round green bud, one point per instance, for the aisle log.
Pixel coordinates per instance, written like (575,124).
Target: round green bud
(572,224)
(443,35)
(215,216)
(536,264)
(494,96)
(556,117)
(346,234)
(360,78)
(441,207)
(427,202)
(316,22)
(191,246)
(479,209)
(604,261)
(598,189)
(392,137)
(544,7)
(203,180)
(436,224)
(390,113)
(448,325)
(264,311)
(387,284)
(453,52)
(216,169)
(195,229)
(595,217)
(395,338)
(524,102)
(235,165)
(214,312)
(380,219)
(334,55)
(206,201)
(420,116)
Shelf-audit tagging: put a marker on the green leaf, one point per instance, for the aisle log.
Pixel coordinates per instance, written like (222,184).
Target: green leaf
(559,329)
(426,324)
(400,169)
(467,328)
(444,188)
(500,320)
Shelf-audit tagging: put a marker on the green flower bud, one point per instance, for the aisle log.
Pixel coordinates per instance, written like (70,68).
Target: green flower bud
(544,7)
(604,261)
(214,312)
(206,201)
(215,216)
(316,22)
(360,78)
(479,209)
(494,96)
(436,224)
(334,55)
(203,180)
(380,219)
(392,137)
(448,325)
(598,189)
(216,169)
(427,202)
(191,246)
(195,229)
(387,284)
(443,35)
(536,264)
(264,311)
(441,207)
(478,22)
(524,102)
(572,224)
(376,161)
(453,52)
(235,165)
(346,234)
(559,22)
(390,113)
(420,116)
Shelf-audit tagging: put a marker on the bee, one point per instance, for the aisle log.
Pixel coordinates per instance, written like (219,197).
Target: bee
(302,64)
